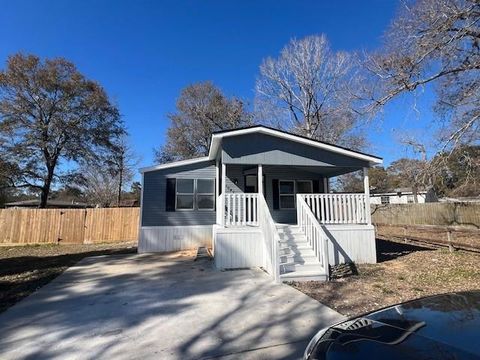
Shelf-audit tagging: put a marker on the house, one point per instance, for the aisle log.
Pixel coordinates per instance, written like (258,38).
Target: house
(261,199)
(51,204)
(400,196)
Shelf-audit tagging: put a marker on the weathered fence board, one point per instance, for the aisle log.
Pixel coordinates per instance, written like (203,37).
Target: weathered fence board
(462,214)
(452,236)
(37,226)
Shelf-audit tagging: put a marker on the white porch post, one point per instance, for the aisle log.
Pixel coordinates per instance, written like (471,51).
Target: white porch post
(222,210)
(326,185)
(366,187)
(217,192)
(260,180)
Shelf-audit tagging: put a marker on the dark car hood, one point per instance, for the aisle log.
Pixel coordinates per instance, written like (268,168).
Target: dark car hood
(438,327)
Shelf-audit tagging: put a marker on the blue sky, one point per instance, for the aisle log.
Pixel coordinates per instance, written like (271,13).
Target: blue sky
(145,52)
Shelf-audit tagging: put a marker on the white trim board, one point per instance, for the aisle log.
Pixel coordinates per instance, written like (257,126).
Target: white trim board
(174,164)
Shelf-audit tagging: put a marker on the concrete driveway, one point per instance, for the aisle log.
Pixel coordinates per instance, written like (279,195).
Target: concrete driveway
(161,307)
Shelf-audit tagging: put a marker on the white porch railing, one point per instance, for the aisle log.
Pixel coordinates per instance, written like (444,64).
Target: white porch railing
(271,239)
(241,209)
(338,208)
(313,231)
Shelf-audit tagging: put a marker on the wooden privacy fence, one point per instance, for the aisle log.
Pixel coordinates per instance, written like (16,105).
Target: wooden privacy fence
(448,214)
(455,237)
(78,226)
(456,225)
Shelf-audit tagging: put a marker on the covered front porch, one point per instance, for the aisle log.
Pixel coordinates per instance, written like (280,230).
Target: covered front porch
(239,186)
(286,220)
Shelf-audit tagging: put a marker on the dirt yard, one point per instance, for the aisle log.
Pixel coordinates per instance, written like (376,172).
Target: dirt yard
(404,272)
(24,269)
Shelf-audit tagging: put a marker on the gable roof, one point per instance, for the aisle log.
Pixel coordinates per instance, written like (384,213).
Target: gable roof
(217,137)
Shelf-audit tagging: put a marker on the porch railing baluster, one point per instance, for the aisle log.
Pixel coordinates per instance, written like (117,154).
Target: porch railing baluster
(336,208)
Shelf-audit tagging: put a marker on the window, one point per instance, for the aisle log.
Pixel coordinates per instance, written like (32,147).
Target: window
(385,199)
(410,199)
(185,194)
(195,194)
(287,194)
(304,187)
(205,194)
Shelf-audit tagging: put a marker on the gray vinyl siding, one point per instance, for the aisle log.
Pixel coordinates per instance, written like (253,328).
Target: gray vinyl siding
(270,150)
(283,215)
(154,192)
(237,172)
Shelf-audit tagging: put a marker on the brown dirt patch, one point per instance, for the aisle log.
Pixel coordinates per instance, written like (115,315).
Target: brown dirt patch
(24,269)
(404,272)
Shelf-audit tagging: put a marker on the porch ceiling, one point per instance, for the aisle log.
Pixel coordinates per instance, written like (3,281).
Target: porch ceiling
(327,171)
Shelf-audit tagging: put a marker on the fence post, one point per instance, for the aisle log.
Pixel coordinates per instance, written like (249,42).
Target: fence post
(366,189)
(449,240)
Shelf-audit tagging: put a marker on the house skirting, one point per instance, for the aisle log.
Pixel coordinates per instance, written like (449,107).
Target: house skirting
(236,248)
(173,238)
(351,243)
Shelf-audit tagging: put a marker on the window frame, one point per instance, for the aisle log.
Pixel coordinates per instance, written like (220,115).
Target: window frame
(384,197)
(288,194)
(178,193)
(212,194)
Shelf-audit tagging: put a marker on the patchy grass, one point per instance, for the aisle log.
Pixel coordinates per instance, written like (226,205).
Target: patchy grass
(404,272)
(24,269)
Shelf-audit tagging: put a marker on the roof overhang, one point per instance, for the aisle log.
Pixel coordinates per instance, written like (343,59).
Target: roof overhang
(174,164)
(217,140)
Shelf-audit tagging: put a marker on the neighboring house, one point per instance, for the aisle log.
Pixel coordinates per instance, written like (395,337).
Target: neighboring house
(398,196)
(261,199)
(51,204)
(129,203)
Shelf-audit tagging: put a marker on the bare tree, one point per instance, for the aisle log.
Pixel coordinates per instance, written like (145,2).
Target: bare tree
(201,109)
(308,90)
(98,184)
(49,112)
(434,42)
(410,173)
(122,163)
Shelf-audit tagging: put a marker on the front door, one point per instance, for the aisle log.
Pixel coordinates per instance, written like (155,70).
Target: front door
(251,184)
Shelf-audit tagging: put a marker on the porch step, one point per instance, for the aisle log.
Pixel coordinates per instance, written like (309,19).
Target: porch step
(297,258)
(296,237)
(296,267)
(287,248)
(294,230)
(304,276)
(298,242)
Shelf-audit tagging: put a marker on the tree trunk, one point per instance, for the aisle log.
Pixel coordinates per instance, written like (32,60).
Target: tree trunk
(45,191)
(415,194)
(120,183)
